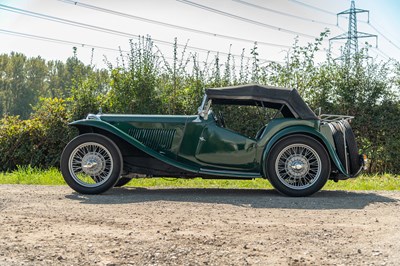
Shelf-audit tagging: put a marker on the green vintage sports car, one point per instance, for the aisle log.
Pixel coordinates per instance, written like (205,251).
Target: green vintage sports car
(296,150)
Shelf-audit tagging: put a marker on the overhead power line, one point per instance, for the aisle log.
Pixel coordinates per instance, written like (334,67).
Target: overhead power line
(65,42)
(54,40)
(104,30)
(156,22)
(386,38)
(313,7)
(374,23)
(281,13)
(321,10)
(71,23)
(265,25)
(384,55)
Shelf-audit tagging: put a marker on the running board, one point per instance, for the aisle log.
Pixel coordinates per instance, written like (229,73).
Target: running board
(229,173)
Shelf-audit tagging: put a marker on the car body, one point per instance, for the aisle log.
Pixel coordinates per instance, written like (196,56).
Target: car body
(296,151)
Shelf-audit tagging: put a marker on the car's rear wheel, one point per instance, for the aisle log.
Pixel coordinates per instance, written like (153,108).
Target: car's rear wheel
(298,166)
(91,164)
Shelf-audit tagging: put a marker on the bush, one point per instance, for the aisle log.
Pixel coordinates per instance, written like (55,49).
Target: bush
(37,141)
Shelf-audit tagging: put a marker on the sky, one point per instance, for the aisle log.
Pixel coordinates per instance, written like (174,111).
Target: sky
(204,25)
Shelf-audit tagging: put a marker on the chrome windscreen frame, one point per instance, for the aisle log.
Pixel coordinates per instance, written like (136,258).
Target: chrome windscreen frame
(204,108)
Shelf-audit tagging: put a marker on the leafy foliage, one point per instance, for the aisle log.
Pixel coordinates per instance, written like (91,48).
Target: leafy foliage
(134,84)
(37,141)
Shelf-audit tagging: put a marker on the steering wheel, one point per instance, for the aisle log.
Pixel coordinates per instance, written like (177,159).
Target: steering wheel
(221,119)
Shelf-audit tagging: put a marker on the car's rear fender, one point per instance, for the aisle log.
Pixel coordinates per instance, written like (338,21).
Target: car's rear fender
(306,131)
(91,125)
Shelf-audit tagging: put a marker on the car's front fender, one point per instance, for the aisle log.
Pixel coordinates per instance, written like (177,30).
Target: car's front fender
(303,130)
(84,124)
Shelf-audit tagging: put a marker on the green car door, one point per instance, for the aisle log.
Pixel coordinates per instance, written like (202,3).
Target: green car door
(218,146)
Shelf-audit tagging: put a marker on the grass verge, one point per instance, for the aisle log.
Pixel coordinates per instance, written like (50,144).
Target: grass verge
(33,176)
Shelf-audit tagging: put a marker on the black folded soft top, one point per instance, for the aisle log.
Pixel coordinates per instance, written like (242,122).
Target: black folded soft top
(288,100)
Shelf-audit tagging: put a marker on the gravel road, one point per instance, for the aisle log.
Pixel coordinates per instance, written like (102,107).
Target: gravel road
(44,225)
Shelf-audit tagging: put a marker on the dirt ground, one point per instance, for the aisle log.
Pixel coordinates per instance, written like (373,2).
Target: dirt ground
(43,225)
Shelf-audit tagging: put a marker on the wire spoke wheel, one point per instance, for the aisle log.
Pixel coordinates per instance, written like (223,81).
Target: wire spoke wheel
(298,166)
(90,164)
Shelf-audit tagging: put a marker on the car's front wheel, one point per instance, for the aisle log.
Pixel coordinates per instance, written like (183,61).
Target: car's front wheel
(91,164)
(298,166)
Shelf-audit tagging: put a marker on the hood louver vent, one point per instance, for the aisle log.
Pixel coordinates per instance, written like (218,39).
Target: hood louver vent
(156,139)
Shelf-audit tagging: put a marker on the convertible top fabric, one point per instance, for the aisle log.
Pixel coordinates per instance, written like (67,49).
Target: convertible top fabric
(268,96)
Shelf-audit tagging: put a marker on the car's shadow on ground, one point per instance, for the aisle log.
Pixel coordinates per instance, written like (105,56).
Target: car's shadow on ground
(252,198)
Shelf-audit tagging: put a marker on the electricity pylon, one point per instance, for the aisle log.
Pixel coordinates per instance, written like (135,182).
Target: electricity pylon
(352,35)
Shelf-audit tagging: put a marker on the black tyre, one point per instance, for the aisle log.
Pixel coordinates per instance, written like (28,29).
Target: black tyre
(337,132)
(91,164)
(352,149)
(122,181)
(298,166)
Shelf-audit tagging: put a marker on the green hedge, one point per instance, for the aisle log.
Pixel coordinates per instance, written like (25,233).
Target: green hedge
(37,141)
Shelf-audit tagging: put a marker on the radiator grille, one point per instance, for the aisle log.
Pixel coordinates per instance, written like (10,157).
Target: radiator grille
(156,139)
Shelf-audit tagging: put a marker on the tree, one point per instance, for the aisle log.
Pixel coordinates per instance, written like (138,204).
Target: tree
(134,85)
